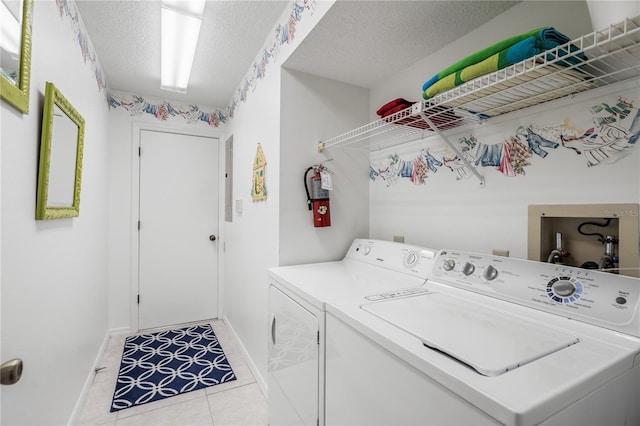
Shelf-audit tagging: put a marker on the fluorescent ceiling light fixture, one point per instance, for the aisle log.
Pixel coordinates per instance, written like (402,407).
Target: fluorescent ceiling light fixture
(180,29)
(186,7)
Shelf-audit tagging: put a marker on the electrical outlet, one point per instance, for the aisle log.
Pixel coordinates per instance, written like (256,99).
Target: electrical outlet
(501,252)
(398,238)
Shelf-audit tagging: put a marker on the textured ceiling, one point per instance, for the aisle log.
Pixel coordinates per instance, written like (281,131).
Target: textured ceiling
(362,42)
(357,42)
(126,37)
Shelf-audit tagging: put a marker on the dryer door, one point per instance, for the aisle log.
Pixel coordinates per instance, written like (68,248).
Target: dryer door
(293,362)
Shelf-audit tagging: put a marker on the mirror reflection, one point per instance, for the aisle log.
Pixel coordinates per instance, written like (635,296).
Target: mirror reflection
(15,52)
(62,164)
(10,39)
(60,158)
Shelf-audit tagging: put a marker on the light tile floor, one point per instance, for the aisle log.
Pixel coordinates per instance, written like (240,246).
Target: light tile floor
(239,402)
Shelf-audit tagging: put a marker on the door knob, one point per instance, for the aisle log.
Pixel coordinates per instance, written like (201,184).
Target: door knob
(10,371)
(212,237)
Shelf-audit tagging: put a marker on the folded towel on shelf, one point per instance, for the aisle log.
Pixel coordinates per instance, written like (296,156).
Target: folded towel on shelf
(442,117)
(495,57)
(395,105)
(394,110)
(518,52)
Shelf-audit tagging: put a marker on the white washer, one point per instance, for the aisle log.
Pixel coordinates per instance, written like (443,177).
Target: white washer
(298,296)
(494,340)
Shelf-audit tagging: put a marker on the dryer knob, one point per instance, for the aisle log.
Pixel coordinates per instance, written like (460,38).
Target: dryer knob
(411,259)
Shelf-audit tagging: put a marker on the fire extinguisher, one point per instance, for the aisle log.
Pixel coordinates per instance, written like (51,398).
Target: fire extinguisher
(318,199)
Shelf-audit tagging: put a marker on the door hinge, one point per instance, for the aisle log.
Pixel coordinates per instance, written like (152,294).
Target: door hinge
(318,421)
(318,337)
(138,225)
(139,151)
(138,299)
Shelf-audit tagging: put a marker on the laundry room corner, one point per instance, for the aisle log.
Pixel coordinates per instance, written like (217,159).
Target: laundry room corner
(312,109)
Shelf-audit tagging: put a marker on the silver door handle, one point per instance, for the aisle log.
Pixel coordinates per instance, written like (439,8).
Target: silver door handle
(10,371)
(273,329)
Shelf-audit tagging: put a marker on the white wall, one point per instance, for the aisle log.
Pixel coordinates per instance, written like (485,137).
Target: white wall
(314,109)
(54,273)
(461,214)
(120,212)
(252,239)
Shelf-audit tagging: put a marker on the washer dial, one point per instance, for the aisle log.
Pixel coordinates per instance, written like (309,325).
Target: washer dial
(449,264)
(490,273)
(564,289)
(468,268)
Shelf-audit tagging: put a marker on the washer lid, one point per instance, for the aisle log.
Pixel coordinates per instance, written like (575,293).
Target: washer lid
(489,340)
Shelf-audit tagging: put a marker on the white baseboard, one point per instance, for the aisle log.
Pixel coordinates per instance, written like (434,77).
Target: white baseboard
(75,414)
(262,384)
(120,331)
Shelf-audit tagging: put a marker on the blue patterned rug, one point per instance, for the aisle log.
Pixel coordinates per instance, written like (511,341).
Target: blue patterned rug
(159,365)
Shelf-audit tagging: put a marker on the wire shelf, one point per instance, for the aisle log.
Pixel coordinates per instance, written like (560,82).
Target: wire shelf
(419,121)
(594,60)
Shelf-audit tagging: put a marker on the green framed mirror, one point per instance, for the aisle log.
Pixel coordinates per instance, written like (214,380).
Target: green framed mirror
(16,17)
(60,170)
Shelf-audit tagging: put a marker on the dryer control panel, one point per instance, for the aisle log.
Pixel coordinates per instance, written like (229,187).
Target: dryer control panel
(400,257)
(595,297)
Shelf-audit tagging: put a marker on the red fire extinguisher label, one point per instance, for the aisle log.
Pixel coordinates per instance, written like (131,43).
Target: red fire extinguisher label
(321,213)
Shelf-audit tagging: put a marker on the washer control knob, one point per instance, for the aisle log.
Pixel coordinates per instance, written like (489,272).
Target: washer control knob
(490,273)
(449,264)
(468,268)
(367,250)
(563,288)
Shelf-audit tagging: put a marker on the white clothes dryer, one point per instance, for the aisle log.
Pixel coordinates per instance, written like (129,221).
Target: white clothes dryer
(298,296)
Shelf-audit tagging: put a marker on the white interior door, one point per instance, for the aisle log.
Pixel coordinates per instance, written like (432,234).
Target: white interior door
(178,217)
